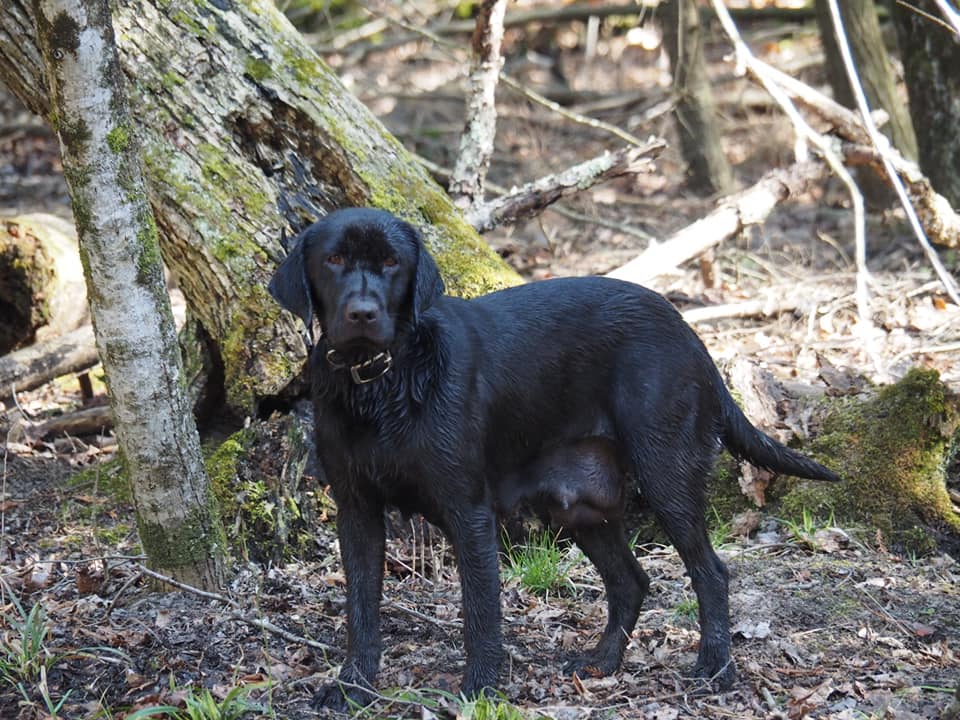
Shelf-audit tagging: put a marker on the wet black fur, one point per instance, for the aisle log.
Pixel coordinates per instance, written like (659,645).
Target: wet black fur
(565,394)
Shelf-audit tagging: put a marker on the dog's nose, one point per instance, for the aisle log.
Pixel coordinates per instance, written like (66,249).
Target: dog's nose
(362,312)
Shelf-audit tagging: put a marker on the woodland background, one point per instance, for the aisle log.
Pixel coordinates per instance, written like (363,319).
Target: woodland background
(839,609)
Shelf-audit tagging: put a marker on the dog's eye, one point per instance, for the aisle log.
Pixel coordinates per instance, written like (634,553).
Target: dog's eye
(390,262)
(335,260)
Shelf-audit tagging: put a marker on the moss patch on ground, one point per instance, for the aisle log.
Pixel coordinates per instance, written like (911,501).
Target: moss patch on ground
(892,451)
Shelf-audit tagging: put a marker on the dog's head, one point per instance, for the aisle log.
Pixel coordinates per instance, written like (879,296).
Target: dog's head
(363,273)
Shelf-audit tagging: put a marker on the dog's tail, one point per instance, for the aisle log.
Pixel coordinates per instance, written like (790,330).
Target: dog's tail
(742,439)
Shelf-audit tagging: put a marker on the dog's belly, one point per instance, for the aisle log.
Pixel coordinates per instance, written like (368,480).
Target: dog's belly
(576,484)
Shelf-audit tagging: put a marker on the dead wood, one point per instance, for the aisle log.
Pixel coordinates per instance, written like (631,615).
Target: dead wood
(476,142)
(42,290)
(40,363)
(747,309)
(735,213)
(533,197)
(89,421)
(939,220)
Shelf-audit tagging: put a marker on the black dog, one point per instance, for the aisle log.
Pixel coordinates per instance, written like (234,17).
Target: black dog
(562,394)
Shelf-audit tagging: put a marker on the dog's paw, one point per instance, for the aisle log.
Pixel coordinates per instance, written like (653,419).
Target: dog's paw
(340,698)
(591,665)
(719,676)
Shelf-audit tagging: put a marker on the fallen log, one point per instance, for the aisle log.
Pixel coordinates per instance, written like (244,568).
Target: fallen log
(42,290)
(40,363)
(89,421)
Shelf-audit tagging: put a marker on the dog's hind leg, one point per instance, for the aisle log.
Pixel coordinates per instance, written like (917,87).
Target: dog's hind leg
(626,585)
(677,497)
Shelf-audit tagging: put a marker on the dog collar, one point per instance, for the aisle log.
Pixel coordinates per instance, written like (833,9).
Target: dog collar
(366,371)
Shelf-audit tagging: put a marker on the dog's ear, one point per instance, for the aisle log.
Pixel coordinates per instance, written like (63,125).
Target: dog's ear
(427,283)
(289,285)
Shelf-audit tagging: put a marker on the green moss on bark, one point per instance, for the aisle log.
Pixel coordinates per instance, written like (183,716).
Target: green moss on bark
(184,544)
(118,139)
(891,452)
(263,520)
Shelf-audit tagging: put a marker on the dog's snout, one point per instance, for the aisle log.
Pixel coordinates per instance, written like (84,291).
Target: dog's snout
(362,311)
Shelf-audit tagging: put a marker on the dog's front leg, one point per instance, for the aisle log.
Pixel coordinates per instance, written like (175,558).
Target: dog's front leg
(361,535)
(473,534)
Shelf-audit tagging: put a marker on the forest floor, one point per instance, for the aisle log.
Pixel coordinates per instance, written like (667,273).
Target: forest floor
(824,626)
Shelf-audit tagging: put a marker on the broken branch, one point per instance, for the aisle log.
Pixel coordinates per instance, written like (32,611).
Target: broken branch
(736,212)
(533,197)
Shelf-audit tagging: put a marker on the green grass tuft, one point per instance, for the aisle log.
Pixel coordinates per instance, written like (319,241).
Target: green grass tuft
(541,565)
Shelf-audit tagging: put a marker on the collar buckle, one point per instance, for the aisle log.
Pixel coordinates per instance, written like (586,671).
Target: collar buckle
(385,357)
(381,362)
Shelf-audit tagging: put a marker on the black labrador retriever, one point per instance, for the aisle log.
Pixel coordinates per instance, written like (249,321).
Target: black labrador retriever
(563,394)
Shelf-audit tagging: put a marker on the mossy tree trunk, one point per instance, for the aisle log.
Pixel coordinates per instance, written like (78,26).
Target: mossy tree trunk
(245,131)
(179,526)
(707,168)
(931,64)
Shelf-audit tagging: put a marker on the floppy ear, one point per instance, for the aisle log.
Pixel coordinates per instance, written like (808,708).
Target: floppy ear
(290,288)
(427,283)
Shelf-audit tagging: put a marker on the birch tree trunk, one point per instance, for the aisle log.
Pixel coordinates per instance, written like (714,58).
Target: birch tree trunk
(245,131)
(178,523)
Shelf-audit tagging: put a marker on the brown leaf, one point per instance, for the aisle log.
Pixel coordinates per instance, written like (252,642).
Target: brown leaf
(88,581)
(921,630)
(745,523)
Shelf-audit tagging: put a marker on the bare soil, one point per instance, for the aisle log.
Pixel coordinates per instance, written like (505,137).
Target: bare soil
(821,629)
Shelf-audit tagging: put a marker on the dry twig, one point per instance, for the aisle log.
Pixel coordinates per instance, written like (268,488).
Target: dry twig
(808,134)
(939,220)
(236,614)
(952,16)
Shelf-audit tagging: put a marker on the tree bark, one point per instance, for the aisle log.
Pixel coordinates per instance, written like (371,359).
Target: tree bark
(177,519)
(931,56)
(873,65)
(246,131)
(476,143)
(707,168)
(862,29)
